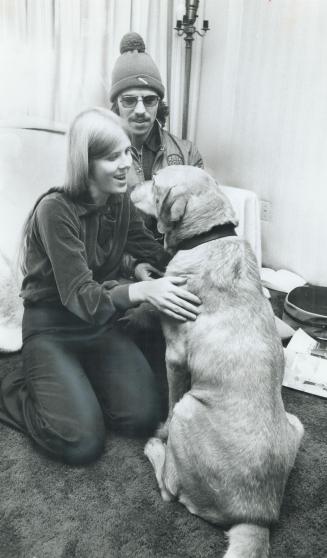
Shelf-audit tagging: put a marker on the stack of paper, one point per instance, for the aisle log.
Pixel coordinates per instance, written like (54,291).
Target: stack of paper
(306,364)
(281,280)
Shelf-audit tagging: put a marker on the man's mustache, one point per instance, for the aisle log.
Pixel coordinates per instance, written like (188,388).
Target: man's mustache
(139,120)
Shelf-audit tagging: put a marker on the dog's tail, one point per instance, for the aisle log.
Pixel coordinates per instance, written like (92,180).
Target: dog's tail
(248,541)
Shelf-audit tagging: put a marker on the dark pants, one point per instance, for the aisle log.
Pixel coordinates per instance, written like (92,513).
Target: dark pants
(76,380)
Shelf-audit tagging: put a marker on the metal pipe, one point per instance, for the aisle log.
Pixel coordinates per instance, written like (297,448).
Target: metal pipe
(186,27)
(188,62)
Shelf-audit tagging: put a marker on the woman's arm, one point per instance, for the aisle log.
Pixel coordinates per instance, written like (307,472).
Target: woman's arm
(58,229)
(166,294)
(141,243)
(58,234)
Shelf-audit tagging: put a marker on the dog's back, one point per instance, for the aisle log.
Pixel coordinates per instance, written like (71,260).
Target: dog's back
(231,425)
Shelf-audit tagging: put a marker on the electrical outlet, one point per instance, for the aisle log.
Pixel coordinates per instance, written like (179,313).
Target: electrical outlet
(265,210)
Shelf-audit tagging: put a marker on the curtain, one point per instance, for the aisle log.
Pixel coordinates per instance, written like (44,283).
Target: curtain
(56,56)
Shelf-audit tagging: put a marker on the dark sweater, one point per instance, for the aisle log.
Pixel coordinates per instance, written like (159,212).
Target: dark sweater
(75,252)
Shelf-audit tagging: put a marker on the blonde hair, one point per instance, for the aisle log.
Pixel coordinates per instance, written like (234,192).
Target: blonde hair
(93,134)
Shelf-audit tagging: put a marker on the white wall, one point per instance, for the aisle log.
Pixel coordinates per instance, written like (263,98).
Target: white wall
(262,121)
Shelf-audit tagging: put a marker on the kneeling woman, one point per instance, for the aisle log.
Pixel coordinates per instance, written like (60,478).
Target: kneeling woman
(81,371)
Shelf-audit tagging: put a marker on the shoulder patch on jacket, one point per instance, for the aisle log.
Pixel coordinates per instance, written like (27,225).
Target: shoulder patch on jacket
(175,159)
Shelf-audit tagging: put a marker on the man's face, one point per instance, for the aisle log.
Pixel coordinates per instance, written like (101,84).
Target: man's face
(138,107)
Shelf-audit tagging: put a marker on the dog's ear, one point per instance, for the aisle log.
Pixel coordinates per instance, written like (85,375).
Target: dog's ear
(174,204)
(178,200)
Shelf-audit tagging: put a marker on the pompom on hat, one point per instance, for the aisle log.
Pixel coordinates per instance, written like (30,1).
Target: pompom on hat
(134,68)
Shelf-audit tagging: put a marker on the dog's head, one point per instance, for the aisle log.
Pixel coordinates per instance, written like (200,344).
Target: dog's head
(142,196)
(188,202)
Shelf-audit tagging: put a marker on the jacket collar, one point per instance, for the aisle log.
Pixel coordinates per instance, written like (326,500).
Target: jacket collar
(86,208)
(154,141)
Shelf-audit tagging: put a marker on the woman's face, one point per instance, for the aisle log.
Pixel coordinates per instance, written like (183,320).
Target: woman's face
(109,175)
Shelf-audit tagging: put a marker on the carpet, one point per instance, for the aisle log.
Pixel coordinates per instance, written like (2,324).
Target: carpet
(112,508)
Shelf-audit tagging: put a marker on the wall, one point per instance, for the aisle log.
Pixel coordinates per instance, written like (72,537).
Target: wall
(262,119)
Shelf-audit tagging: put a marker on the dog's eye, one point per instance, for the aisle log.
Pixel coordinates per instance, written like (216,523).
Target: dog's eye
(157,201)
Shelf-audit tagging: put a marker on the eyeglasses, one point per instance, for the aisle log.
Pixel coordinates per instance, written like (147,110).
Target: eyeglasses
(130,101)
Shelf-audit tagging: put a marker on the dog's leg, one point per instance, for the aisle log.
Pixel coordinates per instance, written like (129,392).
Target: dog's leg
(155,450)
(297,425)
(296,432)
(179,383)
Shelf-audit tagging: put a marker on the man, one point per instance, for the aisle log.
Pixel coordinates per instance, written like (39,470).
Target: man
(137,96)
(136,93)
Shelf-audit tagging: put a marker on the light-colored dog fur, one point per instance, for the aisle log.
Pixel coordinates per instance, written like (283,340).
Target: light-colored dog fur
(228,445)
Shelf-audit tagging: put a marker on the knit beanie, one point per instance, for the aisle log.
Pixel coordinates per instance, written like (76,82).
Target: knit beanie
(134,68)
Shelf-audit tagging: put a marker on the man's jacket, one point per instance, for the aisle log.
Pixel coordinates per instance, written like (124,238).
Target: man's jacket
(172,151)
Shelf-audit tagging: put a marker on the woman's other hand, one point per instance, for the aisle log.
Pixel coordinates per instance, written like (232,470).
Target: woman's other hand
(167,295)
(146,272)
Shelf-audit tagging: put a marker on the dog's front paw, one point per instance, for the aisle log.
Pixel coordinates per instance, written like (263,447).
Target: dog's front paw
(163,430)
(155,451)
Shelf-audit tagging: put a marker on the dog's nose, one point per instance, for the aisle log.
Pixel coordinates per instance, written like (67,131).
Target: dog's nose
(135,197)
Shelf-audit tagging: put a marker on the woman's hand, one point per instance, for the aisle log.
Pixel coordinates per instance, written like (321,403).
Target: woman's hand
(146,272)
(168,296)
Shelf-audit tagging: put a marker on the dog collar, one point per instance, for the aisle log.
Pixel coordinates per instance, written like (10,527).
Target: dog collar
(219,231)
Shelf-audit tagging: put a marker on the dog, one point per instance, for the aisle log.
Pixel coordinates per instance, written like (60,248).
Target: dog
(228,445)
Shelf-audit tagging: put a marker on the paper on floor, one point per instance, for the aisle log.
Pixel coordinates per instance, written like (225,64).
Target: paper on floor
(306,364)
(281,280)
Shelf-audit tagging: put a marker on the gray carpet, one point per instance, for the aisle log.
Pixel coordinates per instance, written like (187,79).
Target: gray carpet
(112,508)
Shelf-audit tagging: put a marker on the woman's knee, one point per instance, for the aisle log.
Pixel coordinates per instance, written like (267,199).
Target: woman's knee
(79,446)
(85,449)
(75,439)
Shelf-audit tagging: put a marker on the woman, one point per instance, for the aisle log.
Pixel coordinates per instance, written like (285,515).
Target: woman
(80,368)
